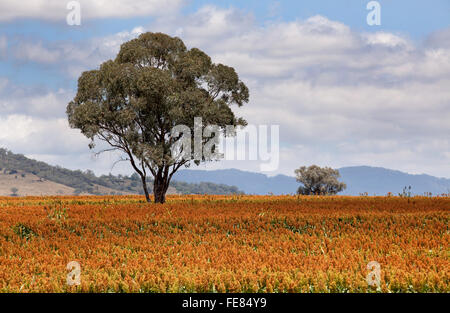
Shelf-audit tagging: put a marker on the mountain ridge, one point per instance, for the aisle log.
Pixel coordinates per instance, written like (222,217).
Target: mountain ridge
(32,177)
(16,169)
(359,180)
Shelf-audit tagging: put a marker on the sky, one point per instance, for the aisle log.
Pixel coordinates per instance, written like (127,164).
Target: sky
(344,93)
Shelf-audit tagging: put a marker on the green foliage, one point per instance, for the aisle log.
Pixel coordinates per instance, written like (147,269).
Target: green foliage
(205,188)
(75,179)
(23,231)
(154,84)
(84,182)
(57,211)
(14,191)
(319,181)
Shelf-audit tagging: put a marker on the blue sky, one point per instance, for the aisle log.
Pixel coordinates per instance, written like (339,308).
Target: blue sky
(377,90)
(413,18)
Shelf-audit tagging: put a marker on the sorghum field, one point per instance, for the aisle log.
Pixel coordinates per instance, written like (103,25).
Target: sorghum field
(225,244)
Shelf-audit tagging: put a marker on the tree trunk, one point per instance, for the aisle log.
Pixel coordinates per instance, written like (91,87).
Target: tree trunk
(160,197)
(159,189)
(144,186)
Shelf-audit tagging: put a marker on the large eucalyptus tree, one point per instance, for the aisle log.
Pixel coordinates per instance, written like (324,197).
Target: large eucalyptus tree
(154,84)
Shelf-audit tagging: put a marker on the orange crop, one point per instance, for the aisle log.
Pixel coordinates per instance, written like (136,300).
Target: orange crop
(224,244)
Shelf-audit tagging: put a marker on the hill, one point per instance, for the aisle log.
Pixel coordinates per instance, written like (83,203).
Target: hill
(380,181)
(249,182)
(359,179)
(33,177)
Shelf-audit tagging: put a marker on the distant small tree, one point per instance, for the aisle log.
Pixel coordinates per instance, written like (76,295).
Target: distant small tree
(14,191)
(318,181)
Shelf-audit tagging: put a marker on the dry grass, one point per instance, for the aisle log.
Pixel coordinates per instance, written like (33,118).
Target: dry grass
(31,185)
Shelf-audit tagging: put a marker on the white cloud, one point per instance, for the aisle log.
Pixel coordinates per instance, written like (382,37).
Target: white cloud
(57,10)
(69,57)
(30,135)
(341,97)
(89,55)
(3,83)
(35,52)
(33,102)
(387,40)
(206,25)
(347,98)
(439,39)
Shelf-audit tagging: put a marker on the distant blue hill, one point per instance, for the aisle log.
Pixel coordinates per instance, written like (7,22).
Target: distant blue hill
(380,181)
(359,179)
(249,182)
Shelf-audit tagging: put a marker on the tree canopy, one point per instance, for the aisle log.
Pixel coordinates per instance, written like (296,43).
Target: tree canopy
(154,84)
(319,181)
